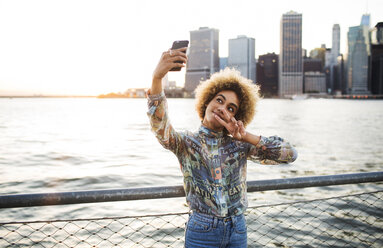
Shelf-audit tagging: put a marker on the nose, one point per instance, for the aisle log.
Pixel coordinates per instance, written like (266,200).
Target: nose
(220,111)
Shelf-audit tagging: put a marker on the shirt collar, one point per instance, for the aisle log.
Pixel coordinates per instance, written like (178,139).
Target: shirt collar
(210,133)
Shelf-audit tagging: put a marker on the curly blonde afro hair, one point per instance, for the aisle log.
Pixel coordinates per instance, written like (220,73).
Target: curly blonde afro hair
(229,79)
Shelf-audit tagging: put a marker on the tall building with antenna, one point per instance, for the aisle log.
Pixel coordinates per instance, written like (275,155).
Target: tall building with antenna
(334,83)
(365,20)
(335,49)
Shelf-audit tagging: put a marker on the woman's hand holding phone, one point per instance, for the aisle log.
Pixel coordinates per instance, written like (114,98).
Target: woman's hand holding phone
(173,58)
(177,45)
(170,59)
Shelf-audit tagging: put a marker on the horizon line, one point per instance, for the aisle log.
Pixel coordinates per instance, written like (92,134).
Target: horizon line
(44,96)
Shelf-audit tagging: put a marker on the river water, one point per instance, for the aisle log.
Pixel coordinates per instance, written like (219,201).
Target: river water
(77,144)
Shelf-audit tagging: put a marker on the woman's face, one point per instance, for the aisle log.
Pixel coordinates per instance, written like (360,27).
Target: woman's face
(225,101)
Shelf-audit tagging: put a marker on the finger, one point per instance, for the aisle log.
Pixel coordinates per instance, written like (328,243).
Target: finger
(220,120)
(172,65)
(170,52)
(240,124)
(182,49)
(178,54)
(243,133)
(229,117)
(232,119)
(242,129)
(166,56)
(236,133)
(236,128)
(226,115)
(178,58)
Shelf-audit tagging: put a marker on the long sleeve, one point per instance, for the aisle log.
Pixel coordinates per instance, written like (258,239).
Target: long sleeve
(272,150)
(160,123)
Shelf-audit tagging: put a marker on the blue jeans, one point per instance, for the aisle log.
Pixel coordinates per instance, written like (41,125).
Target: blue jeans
(207,231)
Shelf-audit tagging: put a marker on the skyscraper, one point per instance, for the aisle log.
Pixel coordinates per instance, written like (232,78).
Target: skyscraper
(357,60)
(267,74)
(319,53)
(203,58)
(314,80)
(376,62)
(290,57)
(365,24)
(335,52)
(310,64)
(365,21)
(222,63)
(242,56)
(340,84)
(335,49)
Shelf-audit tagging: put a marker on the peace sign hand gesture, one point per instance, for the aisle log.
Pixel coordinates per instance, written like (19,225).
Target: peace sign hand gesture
(234,127)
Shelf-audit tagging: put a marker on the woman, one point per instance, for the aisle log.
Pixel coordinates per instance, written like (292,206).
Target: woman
(213,160)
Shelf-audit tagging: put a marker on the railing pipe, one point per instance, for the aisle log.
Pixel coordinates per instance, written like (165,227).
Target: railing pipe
(33,200)
(318,181)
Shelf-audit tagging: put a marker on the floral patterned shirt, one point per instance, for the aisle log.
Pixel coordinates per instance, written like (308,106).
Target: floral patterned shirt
(213,163)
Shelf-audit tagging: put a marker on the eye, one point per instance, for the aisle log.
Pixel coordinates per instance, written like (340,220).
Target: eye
(231,109)
(219,100)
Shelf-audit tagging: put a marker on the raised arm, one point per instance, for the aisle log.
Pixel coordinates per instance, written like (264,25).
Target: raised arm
(157,104)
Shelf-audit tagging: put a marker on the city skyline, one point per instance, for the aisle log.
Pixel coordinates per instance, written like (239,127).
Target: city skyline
(94,47)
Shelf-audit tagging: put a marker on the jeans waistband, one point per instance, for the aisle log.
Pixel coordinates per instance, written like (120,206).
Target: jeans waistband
(213,218)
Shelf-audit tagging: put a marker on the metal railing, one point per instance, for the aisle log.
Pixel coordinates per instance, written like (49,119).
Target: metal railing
(344,221)
(47,199)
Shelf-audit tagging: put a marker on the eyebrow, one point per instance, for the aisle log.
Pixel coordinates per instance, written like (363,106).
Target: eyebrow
(235,105)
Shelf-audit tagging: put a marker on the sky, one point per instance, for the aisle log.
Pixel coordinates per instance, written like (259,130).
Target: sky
(92,47)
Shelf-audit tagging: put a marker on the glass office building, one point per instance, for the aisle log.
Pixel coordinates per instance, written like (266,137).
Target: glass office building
(376,61)
(267,74)
(290,57)
(357,60)
(203,57)
(335,49)
(242,56)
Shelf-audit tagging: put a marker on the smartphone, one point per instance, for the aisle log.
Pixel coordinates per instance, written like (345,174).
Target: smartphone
(179,44)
